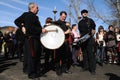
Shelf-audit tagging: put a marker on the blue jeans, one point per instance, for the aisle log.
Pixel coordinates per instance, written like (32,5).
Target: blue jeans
(100,54)
(75,54)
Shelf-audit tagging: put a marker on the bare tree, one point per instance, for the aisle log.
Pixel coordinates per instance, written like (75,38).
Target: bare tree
(118,11)
(111,16)
(74,9)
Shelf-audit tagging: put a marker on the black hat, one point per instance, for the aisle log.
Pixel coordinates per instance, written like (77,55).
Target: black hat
(84,11)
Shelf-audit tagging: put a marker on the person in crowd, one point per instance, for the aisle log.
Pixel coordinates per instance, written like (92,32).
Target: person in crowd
(69,48)
(117,33)
(87,26)
(63,52)
(48,53)
(19,36)
(100,54)
(105,39)
(75,47)
(9,45)
(1,41)
(33,47)
(12,44)
(111,45)
(70,37)
(20,23)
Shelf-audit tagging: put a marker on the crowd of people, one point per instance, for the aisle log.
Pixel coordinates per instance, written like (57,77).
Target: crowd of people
(102,46)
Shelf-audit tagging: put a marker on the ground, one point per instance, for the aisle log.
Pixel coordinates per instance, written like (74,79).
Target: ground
(12,70)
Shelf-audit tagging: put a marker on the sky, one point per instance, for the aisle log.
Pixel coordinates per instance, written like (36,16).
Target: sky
(12,9)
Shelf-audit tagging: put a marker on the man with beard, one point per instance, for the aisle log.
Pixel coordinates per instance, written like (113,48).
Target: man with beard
(86,25)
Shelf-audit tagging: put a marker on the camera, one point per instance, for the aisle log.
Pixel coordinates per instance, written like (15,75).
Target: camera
(101,43)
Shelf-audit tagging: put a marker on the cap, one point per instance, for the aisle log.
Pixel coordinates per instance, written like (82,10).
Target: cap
(84,11)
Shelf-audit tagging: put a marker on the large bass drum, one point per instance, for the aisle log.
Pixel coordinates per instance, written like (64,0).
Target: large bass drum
(54,38)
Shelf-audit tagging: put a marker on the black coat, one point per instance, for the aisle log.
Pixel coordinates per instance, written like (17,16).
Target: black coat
(32,25)
(21,20)
(62,25)
(19,36)
(86,25)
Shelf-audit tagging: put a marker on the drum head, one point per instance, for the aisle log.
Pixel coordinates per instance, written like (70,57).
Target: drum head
(53,39)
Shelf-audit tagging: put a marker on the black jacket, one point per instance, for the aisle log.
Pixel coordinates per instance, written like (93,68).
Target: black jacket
(63,26)
(86,25)
(21,20)
(32,25)
(19,36)
(111,36)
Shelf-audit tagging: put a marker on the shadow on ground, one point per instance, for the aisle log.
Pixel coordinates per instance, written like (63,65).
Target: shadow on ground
(5,64)
(112,76)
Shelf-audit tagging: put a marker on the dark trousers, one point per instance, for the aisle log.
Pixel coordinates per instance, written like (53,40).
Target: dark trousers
(32,56)
(25,54)
(0,47)
(9,49)
(19,49)
(49,58)
(119,57)
(69,56)
(63,54)
(88,48)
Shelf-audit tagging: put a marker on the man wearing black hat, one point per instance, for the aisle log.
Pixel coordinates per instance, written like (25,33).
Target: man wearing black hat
(86,25)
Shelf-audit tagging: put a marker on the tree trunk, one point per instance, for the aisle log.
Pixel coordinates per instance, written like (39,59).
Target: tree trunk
(118,9)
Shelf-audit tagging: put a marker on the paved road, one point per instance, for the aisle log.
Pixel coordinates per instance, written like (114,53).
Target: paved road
(12,70)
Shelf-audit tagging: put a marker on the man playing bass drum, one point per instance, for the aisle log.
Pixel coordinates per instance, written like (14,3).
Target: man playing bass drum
(62,53)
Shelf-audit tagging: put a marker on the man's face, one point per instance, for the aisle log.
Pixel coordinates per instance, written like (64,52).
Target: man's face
(84,14)
(35,9)
(63,17)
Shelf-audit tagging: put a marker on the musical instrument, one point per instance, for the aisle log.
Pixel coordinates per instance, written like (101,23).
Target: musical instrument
(54,38)
(82,39)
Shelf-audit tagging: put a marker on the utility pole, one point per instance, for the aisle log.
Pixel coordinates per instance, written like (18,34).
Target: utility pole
(70,13)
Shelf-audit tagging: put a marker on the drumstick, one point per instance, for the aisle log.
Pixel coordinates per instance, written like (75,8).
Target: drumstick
(56,30)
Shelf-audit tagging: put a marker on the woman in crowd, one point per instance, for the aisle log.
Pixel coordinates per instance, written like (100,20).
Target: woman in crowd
(101,45)
(117,33)
(75,48)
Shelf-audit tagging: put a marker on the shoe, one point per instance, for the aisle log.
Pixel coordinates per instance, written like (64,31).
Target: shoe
(58,72)
(93,72)
(21,60)
(110,62)
(68,72)
(75,64)
(105,62)
(115,62)
(25,72)
(101,64)
(33,76)
(84,69)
